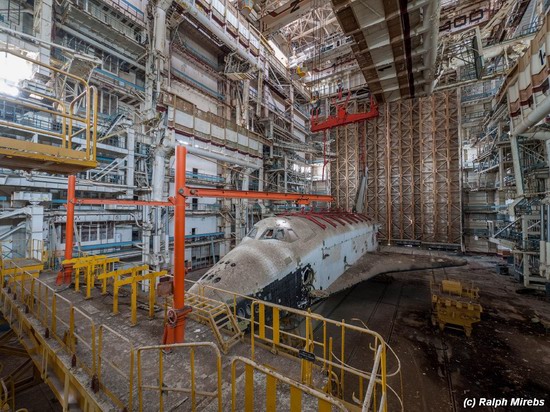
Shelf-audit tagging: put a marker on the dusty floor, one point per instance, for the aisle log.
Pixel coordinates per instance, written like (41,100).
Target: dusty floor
(507,356)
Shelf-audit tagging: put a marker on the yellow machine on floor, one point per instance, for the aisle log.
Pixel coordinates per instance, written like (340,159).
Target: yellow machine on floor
(454,305)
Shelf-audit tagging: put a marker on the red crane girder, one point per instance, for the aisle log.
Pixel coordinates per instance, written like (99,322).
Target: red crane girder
(342,116)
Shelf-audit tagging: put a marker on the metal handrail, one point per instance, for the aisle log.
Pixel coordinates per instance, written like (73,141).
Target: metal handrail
(43,303)
(162,388)
(325,401)
(89,94)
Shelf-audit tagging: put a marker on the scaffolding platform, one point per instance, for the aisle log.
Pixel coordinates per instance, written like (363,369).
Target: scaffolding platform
(95,360)
(25,155)
(52,130)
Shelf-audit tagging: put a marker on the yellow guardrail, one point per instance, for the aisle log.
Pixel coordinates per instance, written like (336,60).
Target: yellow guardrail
(91,267)
(166,385)
(66,110)
(315,349)
(60,122)
(318,343)
(274,382)
(62,320)
(76,337)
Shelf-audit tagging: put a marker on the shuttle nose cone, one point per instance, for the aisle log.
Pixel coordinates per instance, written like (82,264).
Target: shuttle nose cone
(244,270)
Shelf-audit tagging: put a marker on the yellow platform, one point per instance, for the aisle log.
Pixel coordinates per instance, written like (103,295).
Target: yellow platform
(25,155)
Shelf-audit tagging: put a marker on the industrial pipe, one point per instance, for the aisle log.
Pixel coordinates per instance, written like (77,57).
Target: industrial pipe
(539,113)
(222,157)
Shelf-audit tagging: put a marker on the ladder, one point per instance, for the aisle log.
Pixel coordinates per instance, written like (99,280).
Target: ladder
(220,318)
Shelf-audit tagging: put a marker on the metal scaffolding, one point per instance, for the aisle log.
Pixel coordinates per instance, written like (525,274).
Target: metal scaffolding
(345,167)
(412,166)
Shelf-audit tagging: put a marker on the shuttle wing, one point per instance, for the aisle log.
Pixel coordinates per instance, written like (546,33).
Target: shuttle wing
(385,261)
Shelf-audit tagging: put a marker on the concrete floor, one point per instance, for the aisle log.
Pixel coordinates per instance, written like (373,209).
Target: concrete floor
(507,356)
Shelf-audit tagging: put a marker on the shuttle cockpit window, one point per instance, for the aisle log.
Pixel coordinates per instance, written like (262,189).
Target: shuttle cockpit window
(279,234)
(252,234)
(291,236)
(284,235)
(268,234)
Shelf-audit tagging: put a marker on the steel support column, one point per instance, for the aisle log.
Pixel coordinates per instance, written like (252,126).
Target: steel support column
(65,275)
(179,244)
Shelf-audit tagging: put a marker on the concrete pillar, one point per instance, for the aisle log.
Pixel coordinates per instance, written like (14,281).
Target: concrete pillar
(146,236)
(161,153)
(241,215)
(285,174)
(37,231)
(260,93)
(261,189)
(291,108)
(227,109)
(526,267)
(226,216)
(501,171)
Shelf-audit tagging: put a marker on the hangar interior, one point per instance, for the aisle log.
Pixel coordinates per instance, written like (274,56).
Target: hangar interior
(145,145)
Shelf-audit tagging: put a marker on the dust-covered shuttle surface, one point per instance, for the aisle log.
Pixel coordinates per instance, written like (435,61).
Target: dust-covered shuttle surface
(284,259)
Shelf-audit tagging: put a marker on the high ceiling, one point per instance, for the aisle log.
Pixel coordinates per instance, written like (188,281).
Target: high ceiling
(399,48)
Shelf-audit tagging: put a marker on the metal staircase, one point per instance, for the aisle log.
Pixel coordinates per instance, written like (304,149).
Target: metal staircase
(218,316)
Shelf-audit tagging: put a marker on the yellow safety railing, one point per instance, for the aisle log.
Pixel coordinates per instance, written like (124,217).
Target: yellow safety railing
(267,397)
(101,268)
(318,343)
(65,113)
(233,299)
(91,267)
(133,276)
(179,382)
(76,334)
(72,328)
(315,343)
